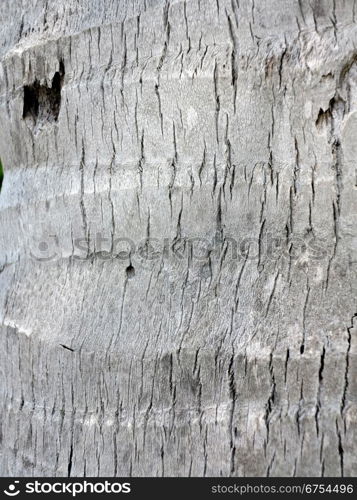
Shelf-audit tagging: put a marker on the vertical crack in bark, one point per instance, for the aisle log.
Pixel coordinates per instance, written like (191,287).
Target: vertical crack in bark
(81,202)
(272,293)
(166,25)
(270,402)
(340,449)
(302,345)
(141,160)
(217,99)
(157,92)
(347,360)
(234,64)
(233,396)
(70,458)
(319,390)
(287,357)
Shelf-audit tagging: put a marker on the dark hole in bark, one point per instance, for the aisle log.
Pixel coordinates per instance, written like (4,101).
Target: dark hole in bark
(323,118)
(41,102)
(130,272)
(336,109)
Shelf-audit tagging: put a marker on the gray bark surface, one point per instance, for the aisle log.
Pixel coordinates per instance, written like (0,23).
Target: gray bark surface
(163,121)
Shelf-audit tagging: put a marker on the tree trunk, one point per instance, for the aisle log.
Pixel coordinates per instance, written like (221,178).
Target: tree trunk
(178,237)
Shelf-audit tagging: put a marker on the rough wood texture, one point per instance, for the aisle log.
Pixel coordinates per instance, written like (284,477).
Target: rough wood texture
(175,120)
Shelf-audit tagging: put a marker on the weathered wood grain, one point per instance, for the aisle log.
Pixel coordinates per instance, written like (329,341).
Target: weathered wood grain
(148,125)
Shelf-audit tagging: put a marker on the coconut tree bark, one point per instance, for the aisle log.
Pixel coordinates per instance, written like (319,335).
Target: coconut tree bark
(178,237)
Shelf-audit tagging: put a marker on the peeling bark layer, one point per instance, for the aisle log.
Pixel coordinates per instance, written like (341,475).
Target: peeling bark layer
(162,126)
